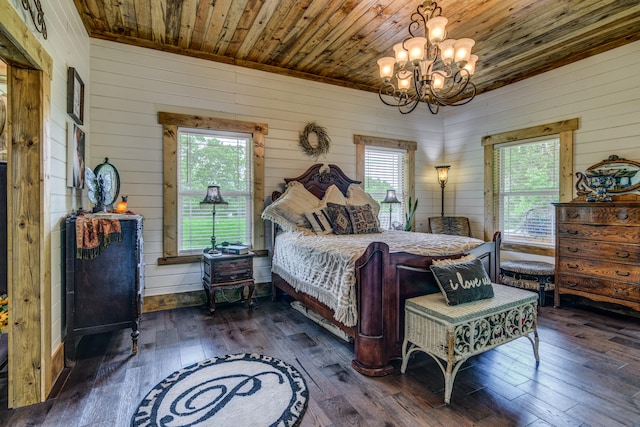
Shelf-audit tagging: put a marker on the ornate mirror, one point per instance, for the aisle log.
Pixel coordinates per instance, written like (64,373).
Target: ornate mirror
(624,175)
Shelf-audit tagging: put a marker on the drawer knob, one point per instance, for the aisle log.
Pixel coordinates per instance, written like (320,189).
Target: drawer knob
(572,284)
(623,254)
(573,266)
(574,250)
(573,215)
(622,273)
(623,216)
(572,231)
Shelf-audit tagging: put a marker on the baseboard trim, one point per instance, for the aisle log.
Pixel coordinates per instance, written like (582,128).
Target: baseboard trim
(196,298)
(57,366)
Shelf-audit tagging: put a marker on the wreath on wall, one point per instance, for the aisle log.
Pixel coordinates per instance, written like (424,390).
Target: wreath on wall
(323,144)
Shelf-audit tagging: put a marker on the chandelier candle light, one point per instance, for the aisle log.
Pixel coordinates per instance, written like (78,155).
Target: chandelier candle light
(431,69)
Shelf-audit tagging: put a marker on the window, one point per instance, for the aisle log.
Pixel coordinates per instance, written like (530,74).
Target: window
(386,164)
(209,157)
(384,169)
(526,183)
(528,170)
(201,151)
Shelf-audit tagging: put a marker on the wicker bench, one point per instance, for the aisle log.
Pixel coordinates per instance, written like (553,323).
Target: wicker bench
(536,276)
(452,334)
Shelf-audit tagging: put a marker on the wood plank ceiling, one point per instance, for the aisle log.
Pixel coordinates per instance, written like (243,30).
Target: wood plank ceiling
(339,41)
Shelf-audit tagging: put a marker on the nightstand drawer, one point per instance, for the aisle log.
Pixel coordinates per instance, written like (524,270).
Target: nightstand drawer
(233,264)
(231,275)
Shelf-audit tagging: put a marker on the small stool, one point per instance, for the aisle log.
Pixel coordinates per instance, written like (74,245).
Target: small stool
(533,275)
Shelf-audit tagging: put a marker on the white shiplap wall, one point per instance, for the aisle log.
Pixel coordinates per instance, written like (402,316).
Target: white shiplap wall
(602,91)
(68,45)
(130,85)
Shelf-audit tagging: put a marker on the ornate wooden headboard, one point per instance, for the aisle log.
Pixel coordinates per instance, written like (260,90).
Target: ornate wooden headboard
(318,178)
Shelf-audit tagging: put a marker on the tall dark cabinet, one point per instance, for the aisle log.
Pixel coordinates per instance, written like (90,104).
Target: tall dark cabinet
(104,292)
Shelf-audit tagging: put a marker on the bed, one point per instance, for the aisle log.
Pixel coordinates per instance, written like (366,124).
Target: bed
(376,272)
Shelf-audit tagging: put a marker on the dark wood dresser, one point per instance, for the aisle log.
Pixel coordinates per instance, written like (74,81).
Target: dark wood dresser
(103,290)
(598,251)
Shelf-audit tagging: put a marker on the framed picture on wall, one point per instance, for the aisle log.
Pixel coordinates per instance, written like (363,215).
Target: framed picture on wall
(75,156)
(75,96)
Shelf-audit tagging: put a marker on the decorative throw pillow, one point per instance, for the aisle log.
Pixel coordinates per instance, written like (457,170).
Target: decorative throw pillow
(363,220)
(356,196)
(333,195)
(320,222)
(288,211)
(463,282)
(339,219)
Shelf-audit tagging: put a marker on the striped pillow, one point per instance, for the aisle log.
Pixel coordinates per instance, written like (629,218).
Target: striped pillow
(319,219)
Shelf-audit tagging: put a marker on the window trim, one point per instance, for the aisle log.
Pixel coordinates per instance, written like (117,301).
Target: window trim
(361,141)
(564,129)
(170,123)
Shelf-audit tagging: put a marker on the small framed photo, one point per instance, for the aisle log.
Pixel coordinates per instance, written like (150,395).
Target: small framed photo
(75,156)
(75,96)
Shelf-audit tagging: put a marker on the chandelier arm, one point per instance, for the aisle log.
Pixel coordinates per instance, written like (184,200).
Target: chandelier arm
(412,106)
(454,100)
(417,17)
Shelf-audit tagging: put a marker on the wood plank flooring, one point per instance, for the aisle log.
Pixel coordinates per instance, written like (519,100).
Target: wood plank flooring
(589,373)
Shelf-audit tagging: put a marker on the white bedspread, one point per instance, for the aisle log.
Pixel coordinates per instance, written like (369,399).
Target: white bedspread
(324,266)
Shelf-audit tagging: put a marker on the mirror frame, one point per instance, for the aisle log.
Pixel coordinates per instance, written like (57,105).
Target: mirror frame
(612,162)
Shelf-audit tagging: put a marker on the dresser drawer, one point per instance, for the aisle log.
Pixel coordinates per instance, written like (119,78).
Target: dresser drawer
(604,287)
(612,233)
(612,215)
(601,269)
(594,249)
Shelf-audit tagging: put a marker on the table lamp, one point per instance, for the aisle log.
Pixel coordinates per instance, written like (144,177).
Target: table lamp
(214,198)
(391,198)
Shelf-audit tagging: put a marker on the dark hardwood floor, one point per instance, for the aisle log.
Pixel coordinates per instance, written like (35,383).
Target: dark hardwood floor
(589,373)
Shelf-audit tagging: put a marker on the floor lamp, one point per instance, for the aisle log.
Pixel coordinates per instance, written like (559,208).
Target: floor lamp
(214,198)
(443,177)
(391,199)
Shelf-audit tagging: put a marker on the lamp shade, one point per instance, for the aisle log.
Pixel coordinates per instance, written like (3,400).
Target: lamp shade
(401,53)
(386,67)
(436,27)
(443,174)
(213,197)
(391,197)
(447,51)
(463,50)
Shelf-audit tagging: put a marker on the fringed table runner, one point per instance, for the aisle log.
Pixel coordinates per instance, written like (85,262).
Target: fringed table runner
(95,234)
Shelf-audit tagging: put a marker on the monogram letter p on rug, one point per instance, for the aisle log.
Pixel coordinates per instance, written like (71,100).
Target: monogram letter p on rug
(234,390)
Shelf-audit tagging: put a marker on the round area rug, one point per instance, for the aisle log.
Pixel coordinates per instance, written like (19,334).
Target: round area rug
(234,390)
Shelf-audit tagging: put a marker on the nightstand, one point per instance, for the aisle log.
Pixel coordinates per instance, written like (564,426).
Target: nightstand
(227,272)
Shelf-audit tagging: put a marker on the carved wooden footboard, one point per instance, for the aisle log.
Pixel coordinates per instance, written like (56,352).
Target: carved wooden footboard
(384,280)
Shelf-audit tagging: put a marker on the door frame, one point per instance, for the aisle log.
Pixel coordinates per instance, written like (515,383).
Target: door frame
(29,75)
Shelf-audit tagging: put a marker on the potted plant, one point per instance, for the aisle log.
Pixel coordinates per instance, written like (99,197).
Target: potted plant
(410,214)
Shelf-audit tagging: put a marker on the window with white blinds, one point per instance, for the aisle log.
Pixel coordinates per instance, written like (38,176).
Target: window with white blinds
(526,183)
(385,169)
(214,158)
